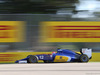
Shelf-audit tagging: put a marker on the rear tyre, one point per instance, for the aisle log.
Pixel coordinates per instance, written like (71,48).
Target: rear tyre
(32,59)
(84,58)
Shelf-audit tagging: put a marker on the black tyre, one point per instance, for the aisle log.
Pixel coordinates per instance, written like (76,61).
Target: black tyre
(32,59)
(84,58)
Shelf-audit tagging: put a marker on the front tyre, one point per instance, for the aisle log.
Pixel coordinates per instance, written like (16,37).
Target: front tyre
(84,58)
(32,59)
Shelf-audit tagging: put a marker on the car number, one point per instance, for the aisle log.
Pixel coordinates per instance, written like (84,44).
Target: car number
(41,57)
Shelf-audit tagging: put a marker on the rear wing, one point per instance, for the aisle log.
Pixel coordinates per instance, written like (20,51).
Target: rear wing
(87,51)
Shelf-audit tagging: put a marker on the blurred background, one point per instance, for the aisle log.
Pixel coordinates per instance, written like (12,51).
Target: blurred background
(33,12)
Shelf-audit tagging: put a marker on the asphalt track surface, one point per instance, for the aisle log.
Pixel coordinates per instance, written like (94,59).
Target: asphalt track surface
(50,69)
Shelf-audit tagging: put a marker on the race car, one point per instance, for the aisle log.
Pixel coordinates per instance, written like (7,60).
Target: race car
(62,55)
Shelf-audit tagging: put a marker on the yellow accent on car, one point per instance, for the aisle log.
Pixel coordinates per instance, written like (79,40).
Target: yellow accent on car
(61,59)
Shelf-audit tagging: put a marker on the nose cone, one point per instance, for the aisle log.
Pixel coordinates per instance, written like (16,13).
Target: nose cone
(16,61)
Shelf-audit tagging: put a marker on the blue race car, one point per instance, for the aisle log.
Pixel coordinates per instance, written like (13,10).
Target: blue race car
(62,55)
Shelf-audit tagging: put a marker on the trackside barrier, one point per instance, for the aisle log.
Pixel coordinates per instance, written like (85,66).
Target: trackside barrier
(11,57)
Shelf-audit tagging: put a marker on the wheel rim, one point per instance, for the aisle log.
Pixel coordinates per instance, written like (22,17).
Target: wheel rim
(84,59)
(33,59)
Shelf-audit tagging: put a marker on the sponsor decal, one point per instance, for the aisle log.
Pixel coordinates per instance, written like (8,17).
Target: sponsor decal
(7,57)
(12,31)
(61,31)
(61,59)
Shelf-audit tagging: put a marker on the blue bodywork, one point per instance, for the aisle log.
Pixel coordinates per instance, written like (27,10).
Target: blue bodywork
(60,52)
(68,53)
